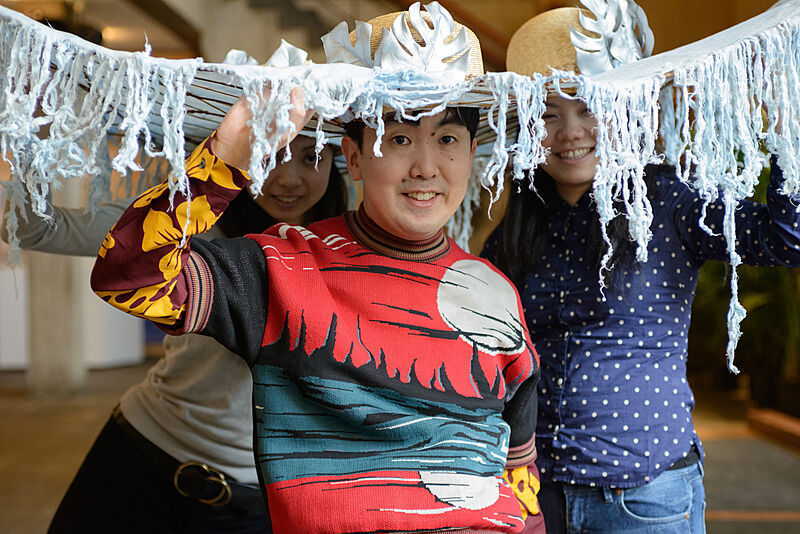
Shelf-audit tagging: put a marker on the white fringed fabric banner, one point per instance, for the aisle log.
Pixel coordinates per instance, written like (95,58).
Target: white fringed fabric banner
(722,83)
(698,106)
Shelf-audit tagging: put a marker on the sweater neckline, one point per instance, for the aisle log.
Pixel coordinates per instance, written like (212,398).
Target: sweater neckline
(372,236)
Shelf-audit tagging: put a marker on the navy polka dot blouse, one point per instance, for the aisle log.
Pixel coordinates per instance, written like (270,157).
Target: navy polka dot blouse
(615,408)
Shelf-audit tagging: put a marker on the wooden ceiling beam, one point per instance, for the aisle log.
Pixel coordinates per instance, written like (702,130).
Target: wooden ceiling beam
(160,11)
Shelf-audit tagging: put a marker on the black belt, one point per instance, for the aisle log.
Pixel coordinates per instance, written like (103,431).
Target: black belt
(690,459)
(194,480)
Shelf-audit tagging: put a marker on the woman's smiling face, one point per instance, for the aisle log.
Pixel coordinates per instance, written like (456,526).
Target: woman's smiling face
(295,186)
(571,138)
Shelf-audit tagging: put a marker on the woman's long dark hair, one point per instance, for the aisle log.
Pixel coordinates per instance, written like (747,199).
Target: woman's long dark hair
(525,230)
(243,216)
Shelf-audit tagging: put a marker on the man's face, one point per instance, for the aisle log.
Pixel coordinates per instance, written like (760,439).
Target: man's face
(421,179)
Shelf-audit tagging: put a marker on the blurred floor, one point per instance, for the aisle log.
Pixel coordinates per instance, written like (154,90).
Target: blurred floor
(44,441)
(752,483)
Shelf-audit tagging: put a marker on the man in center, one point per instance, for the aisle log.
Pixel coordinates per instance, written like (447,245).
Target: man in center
(394,378)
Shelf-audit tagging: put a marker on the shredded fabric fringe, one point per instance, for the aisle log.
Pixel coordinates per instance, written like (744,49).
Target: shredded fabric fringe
(698,108)
(721,154)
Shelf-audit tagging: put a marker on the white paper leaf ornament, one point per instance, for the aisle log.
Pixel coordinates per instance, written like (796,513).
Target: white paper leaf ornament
(439,52)
(400,50)
(239,57)
(623,35)
(339,49)
(288,55)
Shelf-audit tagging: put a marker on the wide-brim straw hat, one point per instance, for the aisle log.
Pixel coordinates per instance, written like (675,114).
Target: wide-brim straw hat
(428,42)
(580,41)
(542,44)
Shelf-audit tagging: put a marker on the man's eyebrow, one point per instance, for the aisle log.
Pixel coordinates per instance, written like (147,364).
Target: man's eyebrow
(450,118)
(391,118)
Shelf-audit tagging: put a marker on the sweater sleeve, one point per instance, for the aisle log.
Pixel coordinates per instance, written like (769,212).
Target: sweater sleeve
(72,231)
(145,266)
(520,413)
(766,234)
(228,294)
(521,472)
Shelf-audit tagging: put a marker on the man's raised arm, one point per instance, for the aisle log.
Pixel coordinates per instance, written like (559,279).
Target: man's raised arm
(140,266)
(145,265)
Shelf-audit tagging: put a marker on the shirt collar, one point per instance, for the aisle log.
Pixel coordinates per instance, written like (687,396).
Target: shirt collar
(585,203)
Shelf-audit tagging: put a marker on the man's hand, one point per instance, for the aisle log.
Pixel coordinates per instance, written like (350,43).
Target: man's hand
(232,142)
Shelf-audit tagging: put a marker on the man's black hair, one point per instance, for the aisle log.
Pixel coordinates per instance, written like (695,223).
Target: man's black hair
(467,117)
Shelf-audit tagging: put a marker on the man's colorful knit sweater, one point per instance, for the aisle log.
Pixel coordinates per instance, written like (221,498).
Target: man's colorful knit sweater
(394,382)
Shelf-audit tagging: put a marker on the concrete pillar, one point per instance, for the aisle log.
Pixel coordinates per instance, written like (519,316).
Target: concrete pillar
(55,367)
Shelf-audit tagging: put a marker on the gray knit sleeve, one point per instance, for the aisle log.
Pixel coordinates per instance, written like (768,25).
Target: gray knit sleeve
(71,231)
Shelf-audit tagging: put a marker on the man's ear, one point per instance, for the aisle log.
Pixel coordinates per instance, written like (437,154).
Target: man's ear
(352,155)
(474,148)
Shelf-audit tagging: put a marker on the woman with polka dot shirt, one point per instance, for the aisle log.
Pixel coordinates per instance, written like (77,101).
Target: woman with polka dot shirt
(616,442)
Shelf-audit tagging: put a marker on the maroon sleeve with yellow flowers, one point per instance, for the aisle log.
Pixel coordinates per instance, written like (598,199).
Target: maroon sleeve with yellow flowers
(139,268)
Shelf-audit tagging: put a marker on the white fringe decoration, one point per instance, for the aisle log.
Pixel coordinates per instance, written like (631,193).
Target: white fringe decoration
(84,92)
(721,82)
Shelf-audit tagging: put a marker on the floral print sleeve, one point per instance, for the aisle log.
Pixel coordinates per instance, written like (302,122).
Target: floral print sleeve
(139,268)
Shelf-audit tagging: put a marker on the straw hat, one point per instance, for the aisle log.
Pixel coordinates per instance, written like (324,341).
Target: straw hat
(427,41)
(592,40)
(543,43)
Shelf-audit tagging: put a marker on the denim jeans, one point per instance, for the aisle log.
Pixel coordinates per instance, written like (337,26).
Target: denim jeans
(674,502)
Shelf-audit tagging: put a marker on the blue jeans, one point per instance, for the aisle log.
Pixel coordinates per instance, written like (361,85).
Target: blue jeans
(674,502)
